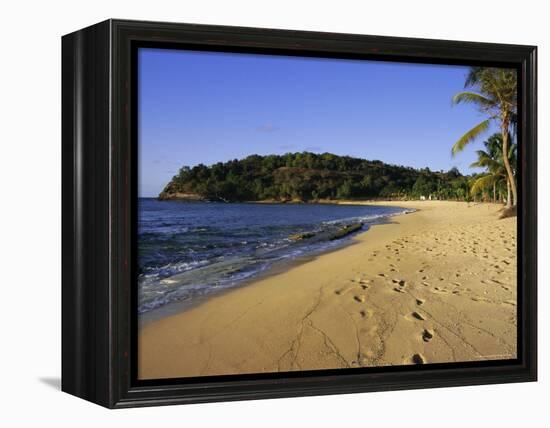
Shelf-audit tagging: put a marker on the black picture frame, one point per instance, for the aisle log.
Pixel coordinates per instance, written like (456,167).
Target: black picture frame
(99,174)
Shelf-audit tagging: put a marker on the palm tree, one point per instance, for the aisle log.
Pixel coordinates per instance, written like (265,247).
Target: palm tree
(494,92)
(495,175)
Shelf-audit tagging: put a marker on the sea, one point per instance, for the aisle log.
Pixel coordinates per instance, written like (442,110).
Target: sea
(190,250)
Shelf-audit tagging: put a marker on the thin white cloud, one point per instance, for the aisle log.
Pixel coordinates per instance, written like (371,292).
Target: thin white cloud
(267,127)
(313,149)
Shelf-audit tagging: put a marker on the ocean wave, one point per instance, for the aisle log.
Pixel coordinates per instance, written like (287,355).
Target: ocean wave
(170,269)
(370,218)
(179,287)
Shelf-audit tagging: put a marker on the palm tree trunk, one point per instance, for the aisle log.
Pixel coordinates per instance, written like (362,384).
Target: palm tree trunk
(495,192)
(511,181)
(509,193)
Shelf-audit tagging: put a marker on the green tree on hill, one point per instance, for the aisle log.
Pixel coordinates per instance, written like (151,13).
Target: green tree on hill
(310,177)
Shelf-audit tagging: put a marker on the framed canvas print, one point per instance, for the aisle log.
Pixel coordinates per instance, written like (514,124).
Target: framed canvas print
(253,213)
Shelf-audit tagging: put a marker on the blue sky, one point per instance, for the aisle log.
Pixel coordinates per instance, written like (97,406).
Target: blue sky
(201,107)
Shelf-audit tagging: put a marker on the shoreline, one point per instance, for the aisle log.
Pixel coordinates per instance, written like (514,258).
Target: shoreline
(364,304)
(175,308)
(329,244)
(200,200)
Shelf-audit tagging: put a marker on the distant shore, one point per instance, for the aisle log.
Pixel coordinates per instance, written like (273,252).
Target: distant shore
(437,285)
(363,201)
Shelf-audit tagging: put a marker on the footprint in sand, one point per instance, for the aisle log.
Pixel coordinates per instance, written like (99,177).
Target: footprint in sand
(480,299)
(398,290)
(418,316)
(401,282)
(418,359)
(342,291)
(427,335)
(365,313)
(360,298)
(419,302)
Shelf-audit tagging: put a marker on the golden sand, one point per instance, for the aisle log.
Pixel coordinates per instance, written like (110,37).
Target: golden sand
(437,285)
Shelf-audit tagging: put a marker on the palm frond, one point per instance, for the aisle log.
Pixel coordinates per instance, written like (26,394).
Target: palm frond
(482,155)
(481,162)
(484,160)
(482,183)
(469,136)
(468,97)
(473,76)
(477,164)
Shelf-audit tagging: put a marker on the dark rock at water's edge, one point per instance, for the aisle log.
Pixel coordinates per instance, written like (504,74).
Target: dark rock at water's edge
(177,196)
(328,235)
(188,197)
(346,230)
(302,236)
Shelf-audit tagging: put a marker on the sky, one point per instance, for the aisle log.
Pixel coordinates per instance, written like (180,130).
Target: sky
(207,107)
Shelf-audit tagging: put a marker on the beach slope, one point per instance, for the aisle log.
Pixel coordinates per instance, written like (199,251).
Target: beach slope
(437,285)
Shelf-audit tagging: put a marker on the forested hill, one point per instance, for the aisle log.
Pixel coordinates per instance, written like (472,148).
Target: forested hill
(309,177)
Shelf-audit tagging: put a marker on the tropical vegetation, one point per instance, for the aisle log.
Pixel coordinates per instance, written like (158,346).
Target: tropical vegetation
(494,92)
(311,177)
(493,184)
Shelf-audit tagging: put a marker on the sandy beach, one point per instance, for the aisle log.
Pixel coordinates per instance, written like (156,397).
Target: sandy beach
(437,285)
